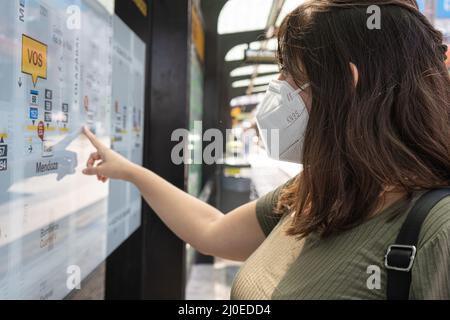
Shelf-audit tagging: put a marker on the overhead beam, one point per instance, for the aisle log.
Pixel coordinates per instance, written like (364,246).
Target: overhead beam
(230,40)
(248,77)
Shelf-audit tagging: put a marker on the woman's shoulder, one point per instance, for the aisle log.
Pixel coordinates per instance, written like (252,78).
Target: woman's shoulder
(430,276)
(266,213)
(437,222)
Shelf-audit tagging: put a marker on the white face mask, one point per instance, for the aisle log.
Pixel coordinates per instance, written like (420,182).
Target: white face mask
(282,118)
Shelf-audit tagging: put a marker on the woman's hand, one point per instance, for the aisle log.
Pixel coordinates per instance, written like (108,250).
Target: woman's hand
(105,163)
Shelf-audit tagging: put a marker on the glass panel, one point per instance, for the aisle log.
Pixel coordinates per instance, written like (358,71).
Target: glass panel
(49,228)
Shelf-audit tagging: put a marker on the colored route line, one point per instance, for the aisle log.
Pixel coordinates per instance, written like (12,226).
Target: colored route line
(34,128)
(51,129)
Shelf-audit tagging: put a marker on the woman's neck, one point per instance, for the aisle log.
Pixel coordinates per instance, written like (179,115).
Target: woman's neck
(386,199)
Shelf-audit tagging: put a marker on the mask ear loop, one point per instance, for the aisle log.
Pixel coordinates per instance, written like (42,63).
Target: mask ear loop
(305,86)
(302,88)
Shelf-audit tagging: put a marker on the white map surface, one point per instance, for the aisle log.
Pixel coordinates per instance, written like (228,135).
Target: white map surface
(51,216)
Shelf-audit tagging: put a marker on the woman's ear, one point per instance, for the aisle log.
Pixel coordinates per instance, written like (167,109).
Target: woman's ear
(355,73)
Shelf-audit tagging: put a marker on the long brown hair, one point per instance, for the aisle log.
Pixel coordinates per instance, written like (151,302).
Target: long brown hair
(392,129)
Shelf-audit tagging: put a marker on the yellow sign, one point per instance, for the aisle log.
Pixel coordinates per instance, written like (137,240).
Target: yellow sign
(198,34)
(232,171)
(34,58)
(142,6)
(235,112)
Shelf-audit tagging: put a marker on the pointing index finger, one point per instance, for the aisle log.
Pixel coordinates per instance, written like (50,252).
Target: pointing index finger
(92,138)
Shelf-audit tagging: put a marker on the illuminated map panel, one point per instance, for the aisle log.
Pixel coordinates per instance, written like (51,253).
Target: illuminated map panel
(56,75)
(124,214)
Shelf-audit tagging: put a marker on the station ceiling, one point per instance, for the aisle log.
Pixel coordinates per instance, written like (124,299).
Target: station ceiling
(239,18)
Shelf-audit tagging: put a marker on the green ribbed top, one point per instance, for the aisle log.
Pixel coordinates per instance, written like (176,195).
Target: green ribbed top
(341,266)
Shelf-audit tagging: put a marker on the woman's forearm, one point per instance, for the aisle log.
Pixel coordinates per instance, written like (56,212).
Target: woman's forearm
(234,235)
(188,217)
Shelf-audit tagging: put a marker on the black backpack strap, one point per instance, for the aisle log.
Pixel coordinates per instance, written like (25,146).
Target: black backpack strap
(400,256)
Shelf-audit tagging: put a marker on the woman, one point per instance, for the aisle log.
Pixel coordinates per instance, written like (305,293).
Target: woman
(378,137)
